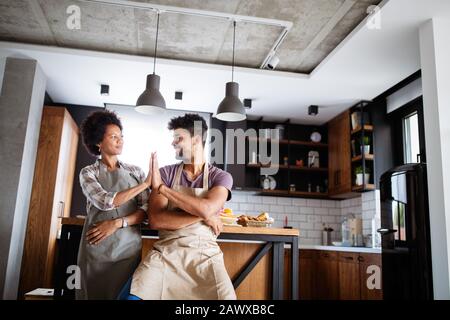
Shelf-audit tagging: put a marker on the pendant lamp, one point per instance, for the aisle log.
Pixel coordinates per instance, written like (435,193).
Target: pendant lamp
(151,101)
(231,108)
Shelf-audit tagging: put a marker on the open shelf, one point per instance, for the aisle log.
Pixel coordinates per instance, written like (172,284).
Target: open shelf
(293,142)
(295,193)
(282,166)
(366,127)
(359,158)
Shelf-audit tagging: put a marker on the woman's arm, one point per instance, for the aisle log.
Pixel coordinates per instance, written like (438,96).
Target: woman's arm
(101,230)
(105,200)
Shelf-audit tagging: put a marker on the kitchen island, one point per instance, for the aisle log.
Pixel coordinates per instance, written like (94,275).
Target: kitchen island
(254,258)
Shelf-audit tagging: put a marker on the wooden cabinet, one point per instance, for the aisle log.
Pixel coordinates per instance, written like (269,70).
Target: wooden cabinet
(349,276)
(369,264)
(332,275)
(307,263)
(50,198)
(326,275)
(339,163)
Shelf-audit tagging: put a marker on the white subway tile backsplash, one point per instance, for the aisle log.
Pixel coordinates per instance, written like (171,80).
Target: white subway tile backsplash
(321,211)
(269,200)
(255,199)
(314,234)
(299,217)
(306,210)
(299,202)
(239,198)
(276,208)
(318,226)
(334,211)
(291,209)
(246,206)
(306,226)
(328,204)
(260,207)
(329,219)
(284,201)
(367,205)
(314,218)
(308,215)
(313,203)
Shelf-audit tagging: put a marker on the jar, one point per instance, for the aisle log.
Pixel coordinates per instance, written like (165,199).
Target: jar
(292,187)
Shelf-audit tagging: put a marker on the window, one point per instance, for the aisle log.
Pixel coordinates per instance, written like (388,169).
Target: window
(411,144)
(144,134)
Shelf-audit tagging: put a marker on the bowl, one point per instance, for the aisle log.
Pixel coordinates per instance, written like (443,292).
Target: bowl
(337,243)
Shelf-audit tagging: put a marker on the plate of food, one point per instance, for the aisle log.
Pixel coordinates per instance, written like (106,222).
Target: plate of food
(262,220)
(228,218)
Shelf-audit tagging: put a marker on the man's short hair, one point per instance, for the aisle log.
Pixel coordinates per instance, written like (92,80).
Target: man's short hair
(187,122)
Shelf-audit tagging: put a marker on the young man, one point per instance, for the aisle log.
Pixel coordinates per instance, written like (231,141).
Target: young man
(186,262)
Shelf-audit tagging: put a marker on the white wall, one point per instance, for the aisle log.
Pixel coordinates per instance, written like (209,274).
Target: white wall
(435,62)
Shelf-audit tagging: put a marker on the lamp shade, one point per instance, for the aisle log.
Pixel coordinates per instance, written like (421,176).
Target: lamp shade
(151,100)
(231,108)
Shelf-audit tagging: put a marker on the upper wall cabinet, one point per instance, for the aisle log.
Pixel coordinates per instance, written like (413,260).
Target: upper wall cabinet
(50,198)
(339,173)
(351,156)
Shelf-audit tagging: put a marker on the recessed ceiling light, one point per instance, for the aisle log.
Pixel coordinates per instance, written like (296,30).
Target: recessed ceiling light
(104,90)
(313,110)
(178,95)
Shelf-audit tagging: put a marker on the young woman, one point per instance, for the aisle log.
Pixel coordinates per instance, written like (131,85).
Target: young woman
(117,195)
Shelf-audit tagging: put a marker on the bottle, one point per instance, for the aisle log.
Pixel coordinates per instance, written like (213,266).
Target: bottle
(345,229)
(309,187)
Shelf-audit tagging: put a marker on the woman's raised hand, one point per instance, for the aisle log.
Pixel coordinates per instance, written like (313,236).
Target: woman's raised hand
(148,179)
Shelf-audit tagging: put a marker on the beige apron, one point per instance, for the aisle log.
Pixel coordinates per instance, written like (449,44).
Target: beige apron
(106,267)
(185,264)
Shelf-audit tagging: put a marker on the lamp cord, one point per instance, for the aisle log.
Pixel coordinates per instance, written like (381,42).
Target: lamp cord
(156,43)
(234,36)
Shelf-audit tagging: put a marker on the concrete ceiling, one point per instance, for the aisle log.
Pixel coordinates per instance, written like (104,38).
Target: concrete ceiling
(318,26)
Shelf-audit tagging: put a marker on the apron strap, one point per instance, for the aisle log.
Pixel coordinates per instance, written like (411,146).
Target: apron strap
(177,178)
(205,176)
(179,171)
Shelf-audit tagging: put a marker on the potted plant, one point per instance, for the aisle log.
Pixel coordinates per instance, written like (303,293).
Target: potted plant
(359,175)
(365,145)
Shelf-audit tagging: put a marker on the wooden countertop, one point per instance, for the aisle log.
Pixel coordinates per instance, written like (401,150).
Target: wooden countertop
(226,229)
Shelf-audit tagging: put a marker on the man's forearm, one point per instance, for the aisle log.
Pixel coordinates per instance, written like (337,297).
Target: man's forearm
(171,220)
(193,205)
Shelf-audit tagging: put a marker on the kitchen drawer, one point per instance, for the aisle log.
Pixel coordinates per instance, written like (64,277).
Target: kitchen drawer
(370,258)
(306,254)
(349,257)
(327,255)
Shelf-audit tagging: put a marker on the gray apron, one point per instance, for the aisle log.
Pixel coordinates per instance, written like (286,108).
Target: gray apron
(106,266)
(185,264)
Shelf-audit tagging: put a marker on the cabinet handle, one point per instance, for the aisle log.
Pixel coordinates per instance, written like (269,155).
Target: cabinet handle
(348,258)
(326,255)
(61,209)
(360,259)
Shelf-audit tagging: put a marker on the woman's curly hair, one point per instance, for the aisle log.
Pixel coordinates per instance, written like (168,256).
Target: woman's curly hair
(93,129)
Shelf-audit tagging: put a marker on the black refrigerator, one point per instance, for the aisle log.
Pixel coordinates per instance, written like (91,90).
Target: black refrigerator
(405,233)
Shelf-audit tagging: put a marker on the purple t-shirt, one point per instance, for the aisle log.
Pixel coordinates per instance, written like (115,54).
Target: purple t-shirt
(217,177)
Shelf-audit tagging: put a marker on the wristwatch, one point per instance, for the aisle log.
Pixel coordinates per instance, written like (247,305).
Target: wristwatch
(124,222)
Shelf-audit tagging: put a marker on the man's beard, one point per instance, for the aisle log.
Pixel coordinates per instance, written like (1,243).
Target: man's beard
(179,154)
